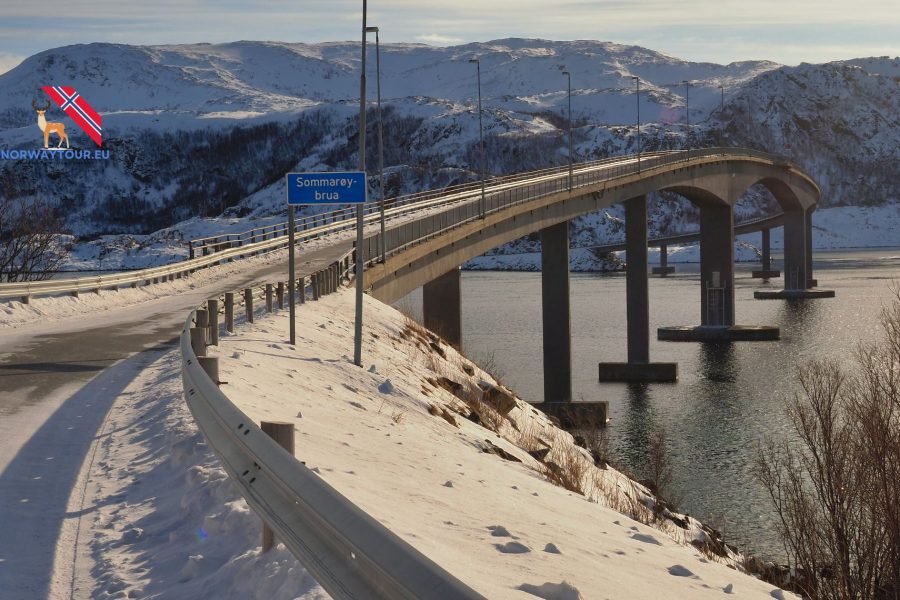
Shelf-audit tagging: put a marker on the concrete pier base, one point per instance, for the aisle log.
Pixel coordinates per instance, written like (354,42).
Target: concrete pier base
(662,270)
(708,333)
(638,373)
(766,274)
(576,415)
(792,294)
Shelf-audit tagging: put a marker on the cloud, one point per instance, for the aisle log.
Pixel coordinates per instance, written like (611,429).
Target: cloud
(9,61)
(436,39)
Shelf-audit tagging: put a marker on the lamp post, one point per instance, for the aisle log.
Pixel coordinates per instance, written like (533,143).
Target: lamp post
(380,140)
(480,130)
(571,151)
(357,329)
(687,111)
(637,87)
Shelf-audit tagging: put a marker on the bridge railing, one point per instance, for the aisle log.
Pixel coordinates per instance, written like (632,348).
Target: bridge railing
(402,236)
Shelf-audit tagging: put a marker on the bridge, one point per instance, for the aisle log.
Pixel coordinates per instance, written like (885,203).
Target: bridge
(427,252)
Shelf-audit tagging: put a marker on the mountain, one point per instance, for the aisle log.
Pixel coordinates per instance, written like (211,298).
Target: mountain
(195,130)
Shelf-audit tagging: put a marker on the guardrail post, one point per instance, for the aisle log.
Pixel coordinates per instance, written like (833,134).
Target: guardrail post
(212,307)
(279,292)
(248,303)
(229,311)
(268,297)
(301,284)
(202,319)
(26,299)
(283,434)
(314,280)
(210,364)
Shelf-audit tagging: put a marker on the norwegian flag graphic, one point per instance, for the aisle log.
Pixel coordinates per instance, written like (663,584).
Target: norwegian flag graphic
(74,105)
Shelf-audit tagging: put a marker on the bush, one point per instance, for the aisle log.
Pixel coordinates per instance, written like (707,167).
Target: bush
(836,490)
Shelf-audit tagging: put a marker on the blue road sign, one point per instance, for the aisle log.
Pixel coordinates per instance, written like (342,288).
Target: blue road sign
(326,188)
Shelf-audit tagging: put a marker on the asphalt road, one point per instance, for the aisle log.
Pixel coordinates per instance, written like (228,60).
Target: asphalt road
(38,365)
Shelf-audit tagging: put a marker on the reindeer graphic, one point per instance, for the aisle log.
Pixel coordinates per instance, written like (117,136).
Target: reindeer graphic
(58,128)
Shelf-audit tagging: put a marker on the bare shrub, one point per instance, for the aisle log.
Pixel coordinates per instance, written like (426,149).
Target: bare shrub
(836,491)
(30,246)
(660,474)
(566,468)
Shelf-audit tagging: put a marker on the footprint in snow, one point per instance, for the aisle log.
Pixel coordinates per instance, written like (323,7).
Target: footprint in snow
(680,571)
(552,591)
(551,548)
(728,589)
(448,483)
(647,539)
(499,531)
(512,548)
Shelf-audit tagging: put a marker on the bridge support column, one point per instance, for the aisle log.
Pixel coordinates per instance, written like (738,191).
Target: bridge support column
(442,307)
(555,311)
(797,260)
(766,272)
(810,281)
(717,286)
(663,269)
(717,266)
(637,303)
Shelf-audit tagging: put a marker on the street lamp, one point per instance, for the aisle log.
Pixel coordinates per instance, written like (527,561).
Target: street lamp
(357,327)
(687,111)
(571,151)
(380,140)
(480,130)
(637,87)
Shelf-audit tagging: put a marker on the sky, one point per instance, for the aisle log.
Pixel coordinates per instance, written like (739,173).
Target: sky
(718,31)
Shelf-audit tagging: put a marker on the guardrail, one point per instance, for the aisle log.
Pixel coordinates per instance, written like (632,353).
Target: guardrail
(350,554)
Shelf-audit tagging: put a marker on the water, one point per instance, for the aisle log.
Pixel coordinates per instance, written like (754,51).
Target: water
(729,398)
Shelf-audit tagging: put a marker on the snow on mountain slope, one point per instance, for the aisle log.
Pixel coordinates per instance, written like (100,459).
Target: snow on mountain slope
(198,129)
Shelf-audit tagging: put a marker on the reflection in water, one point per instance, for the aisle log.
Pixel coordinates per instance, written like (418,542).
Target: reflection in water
(717,362)
(639,424)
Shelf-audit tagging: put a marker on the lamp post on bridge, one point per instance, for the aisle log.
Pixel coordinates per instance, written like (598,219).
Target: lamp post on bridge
(571,151)
(477,62)
(380,140)
(687,111)
(637,88)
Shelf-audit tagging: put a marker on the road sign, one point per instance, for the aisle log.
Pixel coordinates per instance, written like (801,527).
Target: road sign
(326,188)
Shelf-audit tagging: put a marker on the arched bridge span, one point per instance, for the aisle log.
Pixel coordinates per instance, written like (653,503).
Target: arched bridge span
(428,251)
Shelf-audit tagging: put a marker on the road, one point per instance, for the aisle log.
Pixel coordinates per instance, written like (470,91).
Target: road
(58,380)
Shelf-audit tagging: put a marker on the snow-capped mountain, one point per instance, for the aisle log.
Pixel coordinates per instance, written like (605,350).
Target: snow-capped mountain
(200,129)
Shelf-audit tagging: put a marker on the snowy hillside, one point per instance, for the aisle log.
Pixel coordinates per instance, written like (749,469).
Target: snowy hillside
(198,130)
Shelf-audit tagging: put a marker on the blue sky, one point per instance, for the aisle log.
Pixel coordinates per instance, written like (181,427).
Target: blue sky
(719,31)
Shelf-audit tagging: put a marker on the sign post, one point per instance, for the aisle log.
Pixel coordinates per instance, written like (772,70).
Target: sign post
(292,277)
(328,188)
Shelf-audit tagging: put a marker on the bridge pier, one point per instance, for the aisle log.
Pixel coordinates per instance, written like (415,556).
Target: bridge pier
(663,269)
(797,260)
(717,286)
(557,323)
(442,307)
(766,272)
(637,303)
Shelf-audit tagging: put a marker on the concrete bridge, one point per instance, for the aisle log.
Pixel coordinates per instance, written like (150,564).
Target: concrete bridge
(427,252)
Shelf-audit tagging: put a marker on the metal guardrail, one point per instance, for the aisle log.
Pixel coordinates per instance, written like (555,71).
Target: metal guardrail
(349,553)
